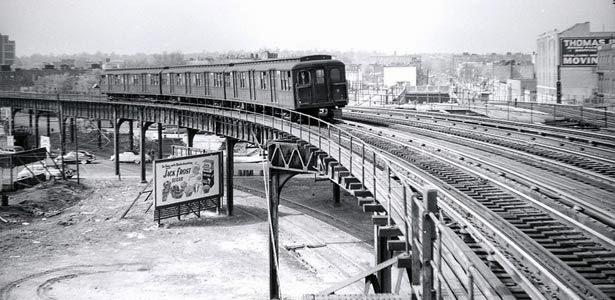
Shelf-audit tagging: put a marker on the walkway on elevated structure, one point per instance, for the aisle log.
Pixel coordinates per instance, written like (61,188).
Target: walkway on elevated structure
(408,230)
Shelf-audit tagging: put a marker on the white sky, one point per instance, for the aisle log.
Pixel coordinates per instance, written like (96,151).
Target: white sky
(405,26)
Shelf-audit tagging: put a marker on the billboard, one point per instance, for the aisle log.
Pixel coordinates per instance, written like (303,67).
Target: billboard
(393,75)
(189,178)
(582,52)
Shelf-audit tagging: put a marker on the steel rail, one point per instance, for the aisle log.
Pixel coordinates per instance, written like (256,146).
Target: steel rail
(544,130)
(547,259)
(378,181)
(601,173)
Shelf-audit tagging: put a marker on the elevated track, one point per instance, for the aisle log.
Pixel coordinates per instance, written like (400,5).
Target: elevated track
(415,232)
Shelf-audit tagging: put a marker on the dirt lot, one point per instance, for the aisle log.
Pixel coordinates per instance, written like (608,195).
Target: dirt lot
(67,242)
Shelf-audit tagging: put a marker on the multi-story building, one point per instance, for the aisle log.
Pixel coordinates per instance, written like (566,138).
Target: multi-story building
(504,70)
(606,74)
(7,51)
(566,64)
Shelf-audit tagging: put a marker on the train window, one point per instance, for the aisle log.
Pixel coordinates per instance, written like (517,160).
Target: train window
(218,79)
(285,84)
(179,79)
(118,79)
(263,80)
(228,82)
(135,79)
(303,78)
(282,80)
(198,80)
(274,77)
(242,80)
(165,79)
(320,76)
(335,75)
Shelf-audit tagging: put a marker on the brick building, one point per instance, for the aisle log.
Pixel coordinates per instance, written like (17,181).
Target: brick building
(606,74)
(569,57)
(7,51)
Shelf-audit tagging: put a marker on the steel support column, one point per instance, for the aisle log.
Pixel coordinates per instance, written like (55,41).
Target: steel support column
(72,130)
(230,173)
(13,114)
(336,194)
(274,201)
(62,124)
(116,142)
(159,140)
(36,129)
(99,126)
(143,127)
(142,150)
(30,125)
(131,135)
(382,255)
(49,124)
(191,133)
(277,178)
(62,136)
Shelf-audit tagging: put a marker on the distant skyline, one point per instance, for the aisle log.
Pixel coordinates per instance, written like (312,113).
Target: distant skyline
(189,26)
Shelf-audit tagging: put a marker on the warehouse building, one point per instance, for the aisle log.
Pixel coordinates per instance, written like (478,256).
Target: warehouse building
(566,64)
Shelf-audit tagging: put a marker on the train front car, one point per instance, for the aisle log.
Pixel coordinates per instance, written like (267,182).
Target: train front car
(320,86)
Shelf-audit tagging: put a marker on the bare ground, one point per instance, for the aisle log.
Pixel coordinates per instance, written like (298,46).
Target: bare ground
(67,242)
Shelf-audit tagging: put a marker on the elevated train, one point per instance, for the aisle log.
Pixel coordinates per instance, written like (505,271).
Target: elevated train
(308,84)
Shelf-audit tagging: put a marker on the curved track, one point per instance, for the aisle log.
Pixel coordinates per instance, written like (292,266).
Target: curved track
(557,243)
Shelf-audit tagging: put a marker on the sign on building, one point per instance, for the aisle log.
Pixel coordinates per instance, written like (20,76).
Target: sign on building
(187,185)
(582,52)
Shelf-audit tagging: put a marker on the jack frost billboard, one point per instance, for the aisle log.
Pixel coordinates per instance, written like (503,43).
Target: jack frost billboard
(184,179)
(582,51)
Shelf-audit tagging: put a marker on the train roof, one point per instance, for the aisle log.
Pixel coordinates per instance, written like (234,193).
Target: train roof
(257,65)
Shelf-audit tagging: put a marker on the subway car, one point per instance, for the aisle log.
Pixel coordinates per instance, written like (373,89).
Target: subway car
(308,84)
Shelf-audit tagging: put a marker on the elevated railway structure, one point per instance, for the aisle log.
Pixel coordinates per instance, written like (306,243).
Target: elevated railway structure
(560,114)
(443,243)
(584,140)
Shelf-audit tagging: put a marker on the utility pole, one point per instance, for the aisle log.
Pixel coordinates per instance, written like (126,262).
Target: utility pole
(558,85)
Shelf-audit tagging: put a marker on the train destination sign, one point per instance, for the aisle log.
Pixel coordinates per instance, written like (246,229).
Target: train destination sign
(183,185)
(582,51)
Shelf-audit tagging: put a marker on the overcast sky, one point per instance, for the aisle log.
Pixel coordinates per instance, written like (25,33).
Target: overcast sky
(405,26)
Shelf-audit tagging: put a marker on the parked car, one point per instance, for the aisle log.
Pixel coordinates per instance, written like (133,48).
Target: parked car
(87,154)
(51,171)
(82,157)
(129,156)
(11,149)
